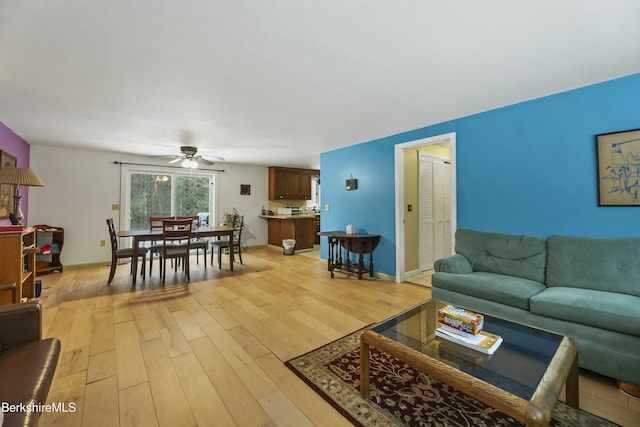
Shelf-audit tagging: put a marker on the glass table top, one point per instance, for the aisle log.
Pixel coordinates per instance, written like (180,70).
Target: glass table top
(517,366)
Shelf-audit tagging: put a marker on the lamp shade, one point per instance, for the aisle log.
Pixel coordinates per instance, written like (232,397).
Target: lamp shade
(20,176)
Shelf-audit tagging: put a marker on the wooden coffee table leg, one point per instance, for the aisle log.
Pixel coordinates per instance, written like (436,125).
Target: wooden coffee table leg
(364,368)
(572,393)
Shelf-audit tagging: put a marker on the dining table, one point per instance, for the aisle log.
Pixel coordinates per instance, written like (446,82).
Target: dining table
(148,235)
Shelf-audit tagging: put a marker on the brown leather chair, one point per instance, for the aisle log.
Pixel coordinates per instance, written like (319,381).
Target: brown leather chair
(238,223)
(28,363)
(176,239)
(117,254)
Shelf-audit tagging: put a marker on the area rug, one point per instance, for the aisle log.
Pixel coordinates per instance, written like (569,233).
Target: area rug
(402,396)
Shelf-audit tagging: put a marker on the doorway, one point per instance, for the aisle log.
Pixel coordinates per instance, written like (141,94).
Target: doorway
(408,239)
(434,209)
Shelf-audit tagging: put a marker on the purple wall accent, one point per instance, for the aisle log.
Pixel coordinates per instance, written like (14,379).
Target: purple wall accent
(11,143)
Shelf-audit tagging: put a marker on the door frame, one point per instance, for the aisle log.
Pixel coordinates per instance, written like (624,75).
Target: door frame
(398,152)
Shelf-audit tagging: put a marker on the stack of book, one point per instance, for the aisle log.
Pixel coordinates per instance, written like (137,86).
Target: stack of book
(11,228)
(465,328)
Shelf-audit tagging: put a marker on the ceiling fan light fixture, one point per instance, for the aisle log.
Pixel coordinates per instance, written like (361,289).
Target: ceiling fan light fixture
(191,159)
(189,163)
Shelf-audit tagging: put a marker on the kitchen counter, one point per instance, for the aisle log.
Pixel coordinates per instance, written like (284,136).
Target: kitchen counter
(299,227)
(298,216)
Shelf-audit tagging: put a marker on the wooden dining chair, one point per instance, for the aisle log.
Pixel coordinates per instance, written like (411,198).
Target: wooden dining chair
(117,253)
(155,223)
(219,245)
(197,243)
(176,245)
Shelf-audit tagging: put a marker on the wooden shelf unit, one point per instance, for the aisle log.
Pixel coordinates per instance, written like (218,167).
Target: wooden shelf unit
(48,235)
(17,263)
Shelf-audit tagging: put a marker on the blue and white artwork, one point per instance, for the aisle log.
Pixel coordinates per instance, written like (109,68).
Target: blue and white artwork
(619,168)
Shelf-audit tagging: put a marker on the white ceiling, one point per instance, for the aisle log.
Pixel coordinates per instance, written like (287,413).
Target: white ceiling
(279,82)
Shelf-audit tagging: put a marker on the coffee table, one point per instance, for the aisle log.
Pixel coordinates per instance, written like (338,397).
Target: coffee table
(523,378)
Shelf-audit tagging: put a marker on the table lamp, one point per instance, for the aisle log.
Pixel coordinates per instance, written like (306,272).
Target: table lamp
(18,177)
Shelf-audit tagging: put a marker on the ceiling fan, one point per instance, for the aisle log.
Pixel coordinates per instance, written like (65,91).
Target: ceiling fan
(190,158)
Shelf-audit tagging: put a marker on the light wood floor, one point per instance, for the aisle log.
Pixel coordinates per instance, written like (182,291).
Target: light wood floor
(211,353)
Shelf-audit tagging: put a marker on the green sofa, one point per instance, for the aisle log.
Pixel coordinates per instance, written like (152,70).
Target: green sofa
(585,288)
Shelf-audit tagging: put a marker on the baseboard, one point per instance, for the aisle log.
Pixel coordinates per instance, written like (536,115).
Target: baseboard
(88,265)
(412,273)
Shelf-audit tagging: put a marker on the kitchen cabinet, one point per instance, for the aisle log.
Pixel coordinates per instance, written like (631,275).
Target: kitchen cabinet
(278,183)
(290,183)
(316,229)
(301,229)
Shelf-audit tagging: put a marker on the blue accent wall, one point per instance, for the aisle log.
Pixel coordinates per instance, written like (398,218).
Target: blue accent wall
(528,168)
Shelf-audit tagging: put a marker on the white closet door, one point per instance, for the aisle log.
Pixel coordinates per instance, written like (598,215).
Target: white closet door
(446,201)
(425,213)
(434,199)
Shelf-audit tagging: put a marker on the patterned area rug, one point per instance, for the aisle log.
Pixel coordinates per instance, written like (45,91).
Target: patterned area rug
(402,396)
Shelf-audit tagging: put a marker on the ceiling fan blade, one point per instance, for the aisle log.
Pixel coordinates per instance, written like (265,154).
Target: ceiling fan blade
(176,160)
(203,161)
(215,158)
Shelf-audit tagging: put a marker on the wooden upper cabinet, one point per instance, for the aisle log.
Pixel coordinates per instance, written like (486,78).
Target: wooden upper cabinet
(290,183)
(278,183)
(293,185)
(305,185)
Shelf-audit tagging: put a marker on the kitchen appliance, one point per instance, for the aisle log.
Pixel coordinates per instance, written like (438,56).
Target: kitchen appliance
(289,210)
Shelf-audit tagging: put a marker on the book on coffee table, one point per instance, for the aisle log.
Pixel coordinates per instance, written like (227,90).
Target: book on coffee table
(484,342)
(460,355)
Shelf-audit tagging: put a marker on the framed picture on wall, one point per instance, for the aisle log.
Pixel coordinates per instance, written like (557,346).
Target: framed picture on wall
(618,163)
(6,191)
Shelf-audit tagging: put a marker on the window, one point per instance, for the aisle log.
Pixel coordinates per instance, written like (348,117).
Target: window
(160,191)
(314,203)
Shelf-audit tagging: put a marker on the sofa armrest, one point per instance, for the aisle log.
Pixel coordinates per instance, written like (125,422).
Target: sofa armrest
(20,323)
(456,264)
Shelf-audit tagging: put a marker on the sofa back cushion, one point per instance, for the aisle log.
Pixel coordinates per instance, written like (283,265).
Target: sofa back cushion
(500,253)
(611,265)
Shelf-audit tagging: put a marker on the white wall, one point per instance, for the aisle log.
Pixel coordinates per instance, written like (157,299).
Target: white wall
(81,185)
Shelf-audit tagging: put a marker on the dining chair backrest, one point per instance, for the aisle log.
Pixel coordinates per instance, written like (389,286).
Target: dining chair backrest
(155,222)
(238,223)
(195,220)
(112,236)
(177,231)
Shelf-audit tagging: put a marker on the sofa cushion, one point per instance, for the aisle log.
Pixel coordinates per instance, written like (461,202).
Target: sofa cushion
(610,265)
(507,254)
(455,263)
(607,310)
(508,290)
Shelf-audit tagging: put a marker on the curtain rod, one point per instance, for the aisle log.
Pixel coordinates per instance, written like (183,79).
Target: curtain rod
(164,166)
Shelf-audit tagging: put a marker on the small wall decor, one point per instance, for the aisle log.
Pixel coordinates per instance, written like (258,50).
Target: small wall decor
(245,189)
(618,163)
(6,191)
(351,183)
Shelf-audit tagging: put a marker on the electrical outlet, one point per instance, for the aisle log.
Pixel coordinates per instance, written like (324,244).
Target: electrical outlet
(103,243)
(115,207)
(326,207)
